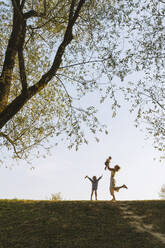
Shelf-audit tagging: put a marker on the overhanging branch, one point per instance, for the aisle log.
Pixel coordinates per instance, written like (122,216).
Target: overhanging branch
(20,100)
(11,142)
(58,57)
(33,13)
(71,10)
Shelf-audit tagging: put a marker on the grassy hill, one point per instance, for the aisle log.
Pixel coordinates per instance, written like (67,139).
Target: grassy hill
(74,224)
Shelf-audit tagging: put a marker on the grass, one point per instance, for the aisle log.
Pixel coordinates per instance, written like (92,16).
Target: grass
(76,224)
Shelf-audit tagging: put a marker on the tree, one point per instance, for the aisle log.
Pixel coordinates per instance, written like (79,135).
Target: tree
(42,43)
(51,51)
(148,100)
(146,55)
(56,197)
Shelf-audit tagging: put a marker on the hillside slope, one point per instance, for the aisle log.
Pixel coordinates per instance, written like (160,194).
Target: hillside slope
(84,224)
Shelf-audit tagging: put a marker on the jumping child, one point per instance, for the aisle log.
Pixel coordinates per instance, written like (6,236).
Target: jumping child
(94,182)
(113,187)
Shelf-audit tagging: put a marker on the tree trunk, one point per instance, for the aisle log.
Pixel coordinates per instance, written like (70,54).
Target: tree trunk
(9,62)
(7,111)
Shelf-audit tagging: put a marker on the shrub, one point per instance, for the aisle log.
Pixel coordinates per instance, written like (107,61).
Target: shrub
(162,192)
(56,197)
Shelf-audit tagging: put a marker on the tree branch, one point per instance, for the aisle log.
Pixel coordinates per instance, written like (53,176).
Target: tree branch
(76,14)
(58,57)
(155,100)
(71,10)
(20,100)
(45,7)
(152,98)
(22,4)
(22,70)
(85,62)
(17,8)
(11,142)
(65,89)
(33,13)
(21,59)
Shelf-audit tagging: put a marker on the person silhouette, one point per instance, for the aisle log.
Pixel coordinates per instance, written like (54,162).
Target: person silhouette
(107,162)
(94,182)
(113,186)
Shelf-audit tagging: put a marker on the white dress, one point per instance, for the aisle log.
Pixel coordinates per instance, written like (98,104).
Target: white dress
(112,181)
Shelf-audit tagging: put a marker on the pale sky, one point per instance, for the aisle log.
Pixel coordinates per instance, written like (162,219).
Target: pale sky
(64,170)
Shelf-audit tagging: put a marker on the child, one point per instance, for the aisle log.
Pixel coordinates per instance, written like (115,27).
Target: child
(107,162)
(113,187)
(94,182)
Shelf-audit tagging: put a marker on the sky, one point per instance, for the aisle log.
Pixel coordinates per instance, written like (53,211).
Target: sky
(64,170)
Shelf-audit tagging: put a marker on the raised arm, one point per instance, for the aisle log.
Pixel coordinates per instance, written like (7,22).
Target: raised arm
(109,168)
(99,178)
(89,178)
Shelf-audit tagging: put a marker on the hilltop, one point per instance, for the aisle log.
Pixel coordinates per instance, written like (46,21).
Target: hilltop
(84,224)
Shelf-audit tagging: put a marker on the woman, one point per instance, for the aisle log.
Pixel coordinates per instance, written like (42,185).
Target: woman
(113,187)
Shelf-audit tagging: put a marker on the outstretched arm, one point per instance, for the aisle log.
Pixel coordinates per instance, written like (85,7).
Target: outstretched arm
(99,178)
(89,178)
(109,168)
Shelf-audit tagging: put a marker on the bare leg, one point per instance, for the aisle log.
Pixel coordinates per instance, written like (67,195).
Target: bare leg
(96,195)
(114,198)
(119,187)
(124,186)
(91,195)
(112,194)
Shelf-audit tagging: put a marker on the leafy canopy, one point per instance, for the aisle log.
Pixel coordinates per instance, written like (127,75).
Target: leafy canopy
(53,53)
